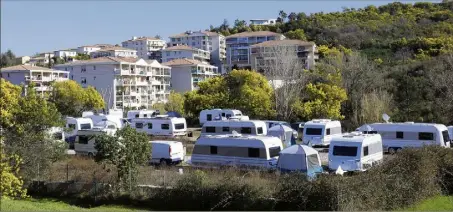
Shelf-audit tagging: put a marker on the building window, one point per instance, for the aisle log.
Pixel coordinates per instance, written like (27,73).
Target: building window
(8,74)
(83,80)
(83,69)
(139,125)
(94,67)
(150,125)
(94,78)
(400,135)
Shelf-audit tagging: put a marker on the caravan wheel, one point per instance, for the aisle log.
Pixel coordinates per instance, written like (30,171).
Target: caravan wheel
(398,150)
(90,155)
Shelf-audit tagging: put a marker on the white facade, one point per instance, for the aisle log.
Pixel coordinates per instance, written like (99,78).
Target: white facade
(87,49)
(115,51)
(204,40)
(187,73)
(123,82)
(65,53)
(22,60)
(146,47)
(238,47)
(40,76)
(179,52)
(42,58)
(263,21)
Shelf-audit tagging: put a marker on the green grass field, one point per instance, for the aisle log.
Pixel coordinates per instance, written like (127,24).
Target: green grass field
(52,205)
(440,203)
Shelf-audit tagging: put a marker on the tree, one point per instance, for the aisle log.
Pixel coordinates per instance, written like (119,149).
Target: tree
(9,104)
(11,184)
(71,99)
(292,16)
(297,34)
(158,36)
(8,59)
(245,90)
(127,150)
(80,56)
(175,103)
(282,16)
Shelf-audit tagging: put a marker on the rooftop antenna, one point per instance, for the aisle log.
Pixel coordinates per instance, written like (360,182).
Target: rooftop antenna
(386,117)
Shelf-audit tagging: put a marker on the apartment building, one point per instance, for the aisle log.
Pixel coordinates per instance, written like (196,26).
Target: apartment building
(115,51)
(204,40)
(263,21)
(183,51)
(42,58)
(146,47)
(22,60)
(41,77)
(187,73)
(265,53)
(65,53)
(87,49)
(123,81)
(238,47)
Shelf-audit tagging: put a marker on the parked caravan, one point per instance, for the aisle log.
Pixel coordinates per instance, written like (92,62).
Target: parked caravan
(220,114)
(300,158)
(224,127)
(167,152)
(141,114)
(355,151)
(319,132)
(396,136)
(160,126)
(236,150)
(85,140)
(286,134)
(76,124)
(57,133)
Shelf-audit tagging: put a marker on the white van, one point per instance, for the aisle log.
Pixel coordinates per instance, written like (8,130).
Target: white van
(319,132)
(76,124)
(220,114)
(396,136)
(236,150)
(167,152)
(355,151)
(141,114)
(224,127)
(160,126)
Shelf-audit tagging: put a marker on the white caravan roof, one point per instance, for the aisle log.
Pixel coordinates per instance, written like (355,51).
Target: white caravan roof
(406,126)
(355,137)
(239,141)
(234,122)
(322,123)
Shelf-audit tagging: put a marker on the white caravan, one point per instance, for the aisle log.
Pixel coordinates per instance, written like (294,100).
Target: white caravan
(141,114)
(76,124)
(355,151)
(236,150)
(160,126)
(224,127)
(396,136)
(319,132)
(167,152)
(85,140)
(57,133)
(220,114)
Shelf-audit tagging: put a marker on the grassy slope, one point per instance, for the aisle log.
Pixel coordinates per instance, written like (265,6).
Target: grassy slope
(51,205)
(440,203)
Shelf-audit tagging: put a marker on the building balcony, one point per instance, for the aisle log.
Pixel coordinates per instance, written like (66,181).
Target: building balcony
(125,72)
(43,88)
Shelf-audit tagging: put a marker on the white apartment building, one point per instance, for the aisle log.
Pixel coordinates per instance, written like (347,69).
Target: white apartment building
(238,47)
(123,81)
(40,76)
(183,51)
(204,40)
(65,53)
(187,73)
(271,21)
(263,54)
(146,47)
(87,49)
(22,60)
(115,51)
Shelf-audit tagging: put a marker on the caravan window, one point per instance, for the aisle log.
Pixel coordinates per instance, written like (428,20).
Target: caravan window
(225,129)
(223,114)
(137,115)
(246,130)
(165,126)
(209,117)
(139,125)
(213,150)
(179,126)
(345,151)
(237,114)
(210,129)
(370,132)
(254,153)
(72,126)
(150,125)
(327,131)
(400,135)
(446,136)
(228,116)
(85,126)
(424,136)
(145,115)
(259,131)
(314,131)
(365,151)
(274,151)
(83,139)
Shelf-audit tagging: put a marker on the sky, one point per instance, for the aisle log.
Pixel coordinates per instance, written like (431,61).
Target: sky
(28,27)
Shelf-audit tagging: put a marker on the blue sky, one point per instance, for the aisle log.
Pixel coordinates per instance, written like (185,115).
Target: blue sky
(28,27)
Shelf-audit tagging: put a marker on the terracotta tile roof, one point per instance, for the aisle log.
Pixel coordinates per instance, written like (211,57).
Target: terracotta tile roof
(144,38)
(182,61)
(184,34)
(283,43)
(113,48)
(180,47)
(253,34)
(25,68)
(104,59)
